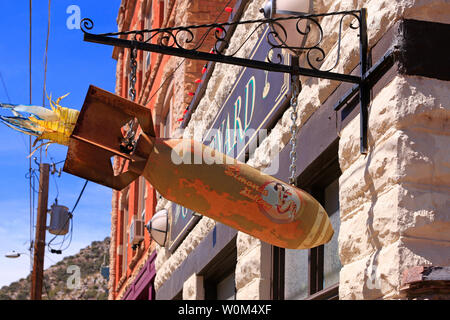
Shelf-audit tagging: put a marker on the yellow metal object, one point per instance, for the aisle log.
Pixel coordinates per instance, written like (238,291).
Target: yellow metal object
(57,131)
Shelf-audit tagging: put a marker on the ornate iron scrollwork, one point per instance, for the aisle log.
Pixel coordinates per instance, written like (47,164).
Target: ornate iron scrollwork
(195,42)
(195,37)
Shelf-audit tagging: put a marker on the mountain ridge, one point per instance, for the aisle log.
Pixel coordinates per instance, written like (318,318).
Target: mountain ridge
(75,277)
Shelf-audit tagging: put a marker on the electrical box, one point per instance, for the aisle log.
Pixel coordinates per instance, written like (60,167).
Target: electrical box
(136,231)
(59,220)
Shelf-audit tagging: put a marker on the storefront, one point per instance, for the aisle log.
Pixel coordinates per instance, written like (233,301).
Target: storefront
(388,208)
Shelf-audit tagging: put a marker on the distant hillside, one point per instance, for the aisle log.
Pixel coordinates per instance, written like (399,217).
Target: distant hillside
(92,286)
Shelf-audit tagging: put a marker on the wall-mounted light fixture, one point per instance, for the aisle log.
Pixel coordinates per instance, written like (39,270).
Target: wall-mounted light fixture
(158,227)
(286,8)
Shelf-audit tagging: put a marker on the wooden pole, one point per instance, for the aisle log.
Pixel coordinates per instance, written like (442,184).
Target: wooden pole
(41,227)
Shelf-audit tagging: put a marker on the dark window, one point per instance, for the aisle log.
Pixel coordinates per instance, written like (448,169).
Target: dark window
(178,296)
(161,11)
(313,273)
(226,289)
(219,275)
(148,25)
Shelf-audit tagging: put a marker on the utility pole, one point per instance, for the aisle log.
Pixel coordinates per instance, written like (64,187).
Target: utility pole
(37,275)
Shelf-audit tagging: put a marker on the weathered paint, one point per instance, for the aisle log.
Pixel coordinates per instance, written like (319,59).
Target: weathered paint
(235,194)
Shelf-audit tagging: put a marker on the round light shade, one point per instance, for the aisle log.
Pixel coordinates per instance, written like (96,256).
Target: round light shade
(158,227)
(12,254)
(286,30)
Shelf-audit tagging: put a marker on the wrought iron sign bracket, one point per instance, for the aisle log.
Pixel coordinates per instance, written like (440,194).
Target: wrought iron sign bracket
(190,41)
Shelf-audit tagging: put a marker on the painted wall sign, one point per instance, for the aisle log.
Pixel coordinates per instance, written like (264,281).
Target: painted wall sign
(257,99)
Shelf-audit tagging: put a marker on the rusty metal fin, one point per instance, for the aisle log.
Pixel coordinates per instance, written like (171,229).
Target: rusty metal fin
(97,135)
(94,164)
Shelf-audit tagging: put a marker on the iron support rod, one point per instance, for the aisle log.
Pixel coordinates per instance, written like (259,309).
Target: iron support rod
(372,76)
(364,89)
(198,55)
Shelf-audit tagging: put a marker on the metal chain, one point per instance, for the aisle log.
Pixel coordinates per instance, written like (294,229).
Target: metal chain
(133,67)
(296,87)
(128,142)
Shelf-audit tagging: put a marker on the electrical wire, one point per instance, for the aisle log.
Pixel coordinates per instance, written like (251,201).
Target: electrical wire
(31,172)
(79,197)
(53,171)
(56,186)
(70,233)
(45,64)
(73,209)
(4,87)
(60,162)
(31,195)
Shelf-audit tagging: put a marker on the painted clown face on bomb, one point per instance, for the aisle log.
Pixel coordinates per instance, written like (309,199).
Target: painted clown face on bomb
(282,202)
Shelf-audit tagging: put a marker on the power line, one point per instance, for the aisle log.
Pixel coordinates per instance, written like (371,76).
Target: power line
(31,195)
(79,197)
(4,87)
(73,209)
(45,64)
(56,186)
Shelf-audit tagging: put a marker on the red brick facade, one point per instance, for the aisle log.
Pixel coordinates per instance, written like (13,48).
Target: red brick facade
(163,85)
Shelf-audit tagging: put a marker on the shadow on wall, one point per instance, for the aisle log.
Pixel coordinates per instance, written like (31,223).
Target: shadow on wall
(372,285)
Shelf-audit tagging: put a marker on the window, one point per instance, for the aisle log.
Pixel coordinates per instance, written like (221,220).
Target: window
(332,264)
(225,289)
(324,263)
(142,197)
(124,220)
(296,274)
(219,274)
(148,25)
(178,296)
(166,126)
(125,242)
(313,273)
(162,9)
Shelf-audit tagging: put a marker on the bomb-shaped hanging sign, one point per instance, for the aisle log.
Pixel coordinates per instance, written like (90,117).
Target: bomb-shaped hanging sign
(219,187)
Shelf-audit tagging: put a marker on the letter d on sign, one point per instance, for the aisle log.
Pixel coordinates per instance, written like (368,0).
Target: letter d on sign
(74,281)
(74,20)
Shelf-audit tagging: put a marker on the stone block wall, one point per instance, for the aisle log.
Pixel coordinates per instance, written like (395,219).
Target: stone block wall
(394,201)
(193,288)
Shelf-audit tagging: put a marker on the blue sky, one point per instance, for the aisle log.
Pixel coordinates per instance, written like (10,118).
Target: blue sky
(72,66)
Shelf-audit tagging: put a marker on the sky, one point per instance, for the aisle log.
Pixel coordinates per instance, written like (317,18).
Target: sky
(72,66)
